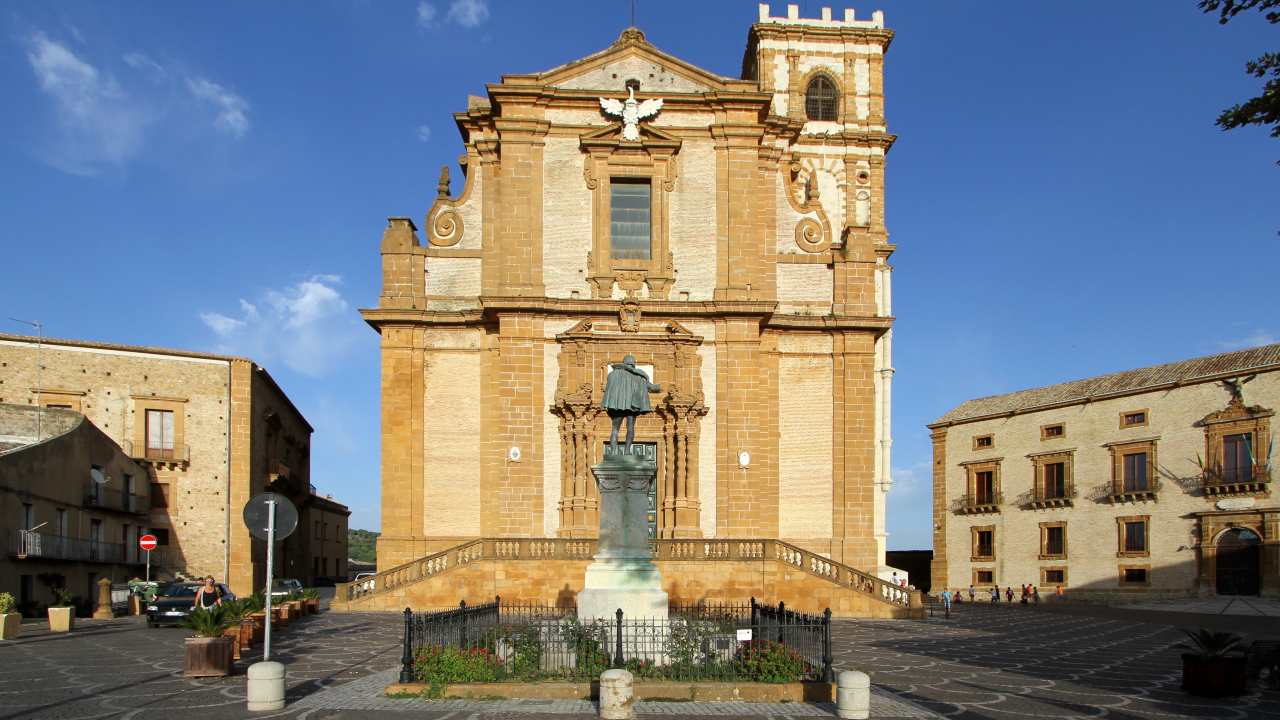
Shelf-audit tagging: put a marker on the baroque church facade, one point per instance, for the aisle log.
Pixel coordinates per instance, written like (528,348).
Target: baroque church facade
(730,237)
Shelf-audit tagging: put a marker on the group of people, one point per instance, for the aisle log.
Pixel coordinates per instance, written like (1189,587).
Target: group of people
(1029,594)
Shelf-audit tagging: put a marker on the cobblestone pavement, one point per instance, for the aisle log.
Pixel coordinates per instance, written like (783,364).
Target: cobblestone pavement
(1011,661)
(1254,606)
(986,662)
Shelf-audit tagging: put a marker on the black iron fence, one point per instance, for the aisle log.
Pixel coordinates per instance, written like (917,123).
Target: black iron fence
(726,642)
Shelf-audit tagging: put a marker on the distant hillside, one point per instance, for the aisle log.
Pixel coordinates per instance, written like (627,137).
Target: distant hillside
(362,545)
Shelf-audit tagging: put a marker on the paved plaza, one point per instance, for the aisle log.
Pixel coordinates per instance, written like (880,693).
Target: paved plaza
(985,662)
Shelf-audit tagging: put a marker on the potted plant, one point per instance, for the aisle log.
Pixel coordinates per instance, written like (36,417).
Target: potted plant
(209,653)
(10,620)
(295,604)
(234,611)
(255,615)
(62,612)
(1212,669)
(311,600)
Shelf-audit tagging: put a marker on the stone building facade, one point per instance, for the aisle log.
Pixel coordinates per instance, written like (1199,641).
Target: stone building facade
(72,507)
(1150,481)
(732,239)
(211,430)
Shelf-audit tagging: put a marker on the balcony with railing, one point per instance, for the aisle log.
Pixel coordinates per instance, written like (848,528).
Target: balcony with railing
(1133,491)
(171,455)
(29,545)
(105,498)
(977,503)
(1050,495)
(1245,480)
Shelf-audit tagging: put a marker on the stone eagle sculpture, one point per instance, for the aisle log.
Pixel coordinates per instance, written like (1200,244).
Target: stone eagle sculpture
(631,112)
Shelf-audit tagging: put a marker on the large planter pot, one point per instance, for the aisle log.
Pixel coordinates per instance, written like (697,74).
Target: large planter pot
(280,614)
(313,606)
(61,619)
(234,634)
(1214,677)
(10,626)
(208,657)
(259,620)
(295,609)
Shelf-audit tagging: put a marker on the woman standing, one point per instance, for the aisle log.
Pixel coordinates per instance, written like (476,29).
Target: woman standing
(209,595)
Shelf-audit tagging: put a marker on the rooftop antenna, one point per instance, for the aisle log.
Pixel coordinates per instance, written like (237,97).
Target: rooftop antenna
(39,326)
(633,13)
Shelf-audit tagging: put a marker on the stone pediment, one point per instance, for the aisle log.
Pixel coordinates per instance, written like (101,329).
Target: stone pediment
(610,136)
(632,58)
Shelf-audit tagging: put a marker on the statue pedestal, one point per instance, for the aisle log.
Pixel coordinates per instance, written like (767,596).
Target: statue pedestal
(623,574)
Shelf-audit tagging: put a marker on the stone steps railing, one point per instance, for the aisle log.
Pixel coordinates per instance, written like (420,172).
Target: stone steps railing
(542,549)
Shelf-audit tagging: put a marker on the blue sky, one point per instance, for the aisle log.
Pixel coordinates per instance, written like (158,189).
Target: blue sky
(216,176)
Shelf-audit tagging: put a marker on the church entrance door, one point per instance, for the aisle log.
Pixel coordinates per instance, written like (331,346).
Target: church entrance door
(1238,560)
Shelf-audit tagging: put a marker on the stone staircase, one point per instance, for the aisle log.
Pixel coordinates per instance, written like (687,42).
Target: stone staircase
(550,571)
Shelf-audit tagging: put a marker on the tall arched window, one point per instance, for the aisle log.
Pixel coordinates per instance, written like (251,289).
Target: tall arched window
(820,99)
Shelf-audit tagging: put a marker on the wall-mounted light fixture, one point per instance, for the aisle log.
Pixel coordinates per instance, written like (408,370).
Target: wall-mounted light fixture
(744,459)
(513,455)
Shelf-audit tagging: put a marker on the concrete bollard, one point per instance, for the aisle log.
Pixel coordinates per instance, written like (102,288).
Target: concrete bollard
(266,686)
(617,699)
(853,695)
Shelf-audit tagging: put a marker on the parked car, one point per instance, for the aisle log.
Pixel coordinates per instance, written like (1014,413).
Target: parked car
(175,600)
(283,586)
(173,603)
(364,581)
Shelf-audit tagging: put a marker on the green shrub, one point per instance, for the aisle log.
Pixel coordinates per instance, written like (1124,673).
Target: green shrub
(770,662)
(62,598)
(449,664)
(209,623)
(7,603)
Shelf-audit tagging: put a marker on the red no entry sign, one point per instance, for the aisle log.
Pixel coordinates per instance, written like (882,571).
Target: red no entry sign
(147,542)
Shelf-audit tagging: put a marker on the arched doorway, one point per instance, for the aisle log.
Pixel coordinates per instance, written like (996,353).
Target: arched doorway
(1238,559)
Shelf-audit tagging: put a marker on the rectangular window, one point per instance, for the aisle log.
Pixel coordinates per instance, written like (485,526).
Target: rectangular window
(984,577)
(162,535)
(317,529)
(28,516)
(984,543)
(1053,431)
(1055,540)
(1237,458)
(1055,480)
(984,487)
(1054,576)
(1133,576)
(159,495)
(1135,537)
(1135,472)
(95,539)
(160,433)
(630,205)
(60,522)
(1135,418)
(981,442)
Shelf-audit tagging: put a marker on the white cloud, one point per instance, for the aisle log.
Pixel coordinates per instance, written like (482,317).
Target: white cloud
(426,14)
(469,13)
(232,110)
(142,62)
(98,123)
(221,324)
(424,133)
(1258,337)
(909,480)
(308,326)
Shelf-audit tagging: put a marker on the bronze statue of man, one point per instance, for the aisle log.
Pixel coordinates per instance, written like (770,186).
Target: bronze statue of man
(626,395)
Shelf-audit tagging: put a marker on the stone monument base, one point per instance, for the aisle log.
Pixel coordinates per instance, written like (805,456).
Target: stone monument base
(632,584)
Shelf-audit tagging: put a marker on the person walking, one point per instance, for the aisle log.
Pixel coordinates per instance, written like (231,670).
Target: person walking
(209,595)
(1035,594)
(946,602)
(1060,593)
(995,593)
(1025,594)
(972,591)
(1008,593)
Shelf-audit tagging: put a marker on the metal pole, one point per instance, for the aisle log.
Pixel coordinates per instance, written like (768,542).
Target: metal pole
(828,673)
(271,556)
(617,654)
(148,566)
(406,659)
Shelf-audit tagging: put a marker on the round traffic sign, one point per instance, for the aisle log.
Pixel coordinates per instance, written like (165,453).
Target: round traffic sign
(148,542)
(257,510)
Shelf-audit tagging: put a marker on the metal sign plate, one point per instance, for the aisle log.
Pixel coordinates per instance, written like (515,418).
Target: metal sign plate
(255,516)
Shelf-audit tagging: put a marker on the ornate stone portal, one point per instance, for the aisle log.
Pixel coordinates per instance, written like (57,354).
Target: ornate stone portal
(587,349)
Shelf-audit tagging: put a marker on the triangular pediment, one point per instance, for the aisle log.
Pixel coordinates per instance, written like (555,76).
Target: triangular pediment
(633,58)
(611,135)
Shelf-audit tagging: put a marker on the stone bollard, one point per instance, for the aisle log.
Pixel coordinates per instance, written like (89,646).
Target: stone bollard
(103,611)
(617,701)
(853,695)
(266,686)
